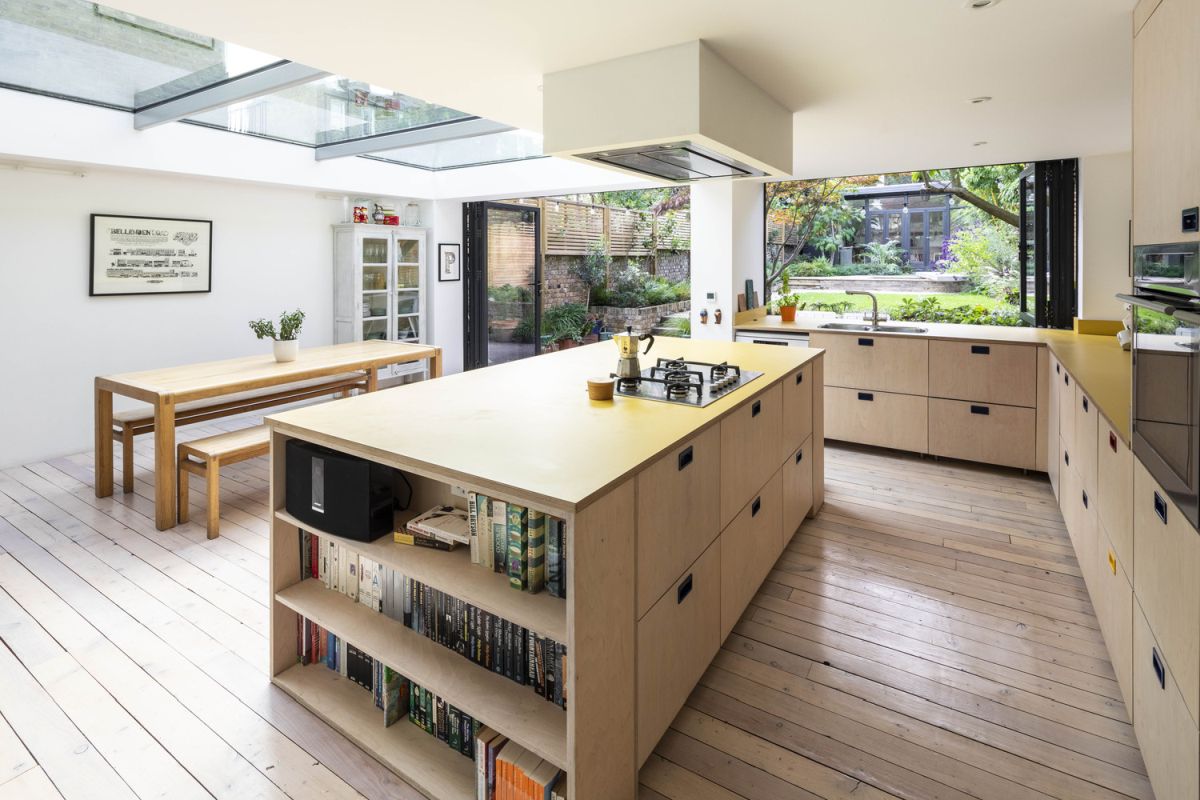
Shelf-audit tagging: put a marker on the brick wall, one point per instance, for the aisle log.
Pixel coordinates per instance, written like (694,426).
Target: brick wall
(563,287)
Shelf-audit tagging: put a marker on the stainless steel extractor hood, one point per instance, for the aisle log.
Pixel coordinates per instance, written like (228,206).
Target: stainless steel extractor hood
(711,123)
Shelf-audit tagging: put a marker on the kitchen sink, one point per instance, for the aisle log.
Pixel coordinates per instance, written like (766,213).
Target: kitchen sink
(883,328)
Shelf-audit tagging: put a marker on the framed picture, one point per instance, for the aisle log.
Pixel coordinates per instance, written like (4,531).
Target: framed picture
(149,255)
(449,262)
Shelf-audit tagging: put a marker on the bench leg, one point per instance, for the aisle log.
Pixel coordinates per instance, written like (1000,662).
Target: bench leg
(213,478)
(182,513)
(126,459)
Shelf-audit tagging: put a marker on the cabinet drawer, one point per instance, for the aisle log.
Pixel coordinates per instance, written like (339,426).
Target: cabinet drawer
(1066,410)
(884,363)
(797,410)
(750,436)
(1113,600)
(676,641)
(678,506)
(1053,445)
(1069,489)
(797,489)
(750,546)
(991,434)
(900,421)
(984,372)
(1166,580)
(1086,427)
(1114,491)
(1166,732)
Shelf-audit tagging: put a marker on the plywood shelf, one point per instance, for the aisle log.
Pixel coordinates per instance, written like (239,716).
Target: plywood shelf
(422,760)
(452,572)
(514,710)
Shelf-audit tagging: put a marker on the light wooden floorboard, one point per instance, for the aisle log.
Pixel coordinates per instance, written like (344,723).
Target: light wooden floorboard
(927,636)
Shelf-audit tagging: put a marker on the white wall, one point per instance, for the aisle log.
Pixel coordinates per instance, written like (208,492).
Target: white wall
(727,248)
(445,298)
(271,251)
(1105,208)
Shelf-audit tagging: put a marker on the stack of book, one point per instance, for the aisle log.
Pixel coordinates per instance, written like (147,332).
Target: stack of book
(438,718)
(316,645)
(506,771)
(490,641)
(524,544)
(441,528)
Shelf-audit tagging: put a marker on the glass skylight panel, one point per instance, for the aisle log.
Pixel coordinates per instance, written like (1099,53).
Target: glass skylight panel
(492,148)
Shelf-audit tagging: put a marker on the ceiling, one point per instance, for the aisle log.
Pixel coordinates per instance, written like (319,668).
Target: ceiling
(876,85)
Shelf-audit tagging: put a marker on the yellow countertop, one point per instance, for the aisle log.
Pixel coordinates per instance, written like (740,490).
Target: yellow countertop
(528,428)
(1098,363)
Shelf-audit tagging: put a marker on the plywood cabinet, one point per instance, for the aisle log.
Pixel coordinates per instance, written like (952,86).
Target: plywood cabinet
(1052,444)
(1166,732)
(678,509)
(797,489)
(1166,117)
(884,419)
(750,436)
(1086,426)
(1166,580)
(1114,491)
(676,641)
(882,363)
(1066,410)
(983,372)
(1112,597)
(994,434)
(797,410)
(749,548)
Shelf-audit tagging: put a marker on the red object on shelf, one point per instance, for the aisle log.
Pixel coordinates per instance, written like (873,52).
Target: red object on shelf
(391,219)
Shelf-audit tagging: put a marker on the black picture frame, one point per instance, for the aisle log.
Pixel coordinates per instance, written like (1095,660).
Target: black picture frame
(204,229)
(449,273)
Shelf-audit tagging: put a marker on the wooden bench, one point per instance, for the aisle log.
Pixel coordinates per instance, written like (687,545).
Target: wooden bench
(205,457)
(134,422)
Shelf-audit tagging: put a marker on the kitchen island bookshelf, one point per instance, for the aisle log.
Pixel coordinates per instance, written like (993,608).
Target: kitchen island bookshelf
(526,433)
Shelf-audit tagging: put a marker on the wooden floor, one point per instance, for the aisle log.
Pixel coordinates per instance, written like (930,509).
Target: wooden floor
(928,636)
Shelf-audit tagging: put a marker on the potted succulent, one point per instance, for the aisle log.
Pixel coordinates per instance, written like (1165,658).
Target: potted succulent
(287,339)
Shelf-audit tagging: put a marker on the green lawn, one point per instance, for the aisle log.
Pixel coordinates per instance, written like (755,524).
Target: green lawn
(887,300)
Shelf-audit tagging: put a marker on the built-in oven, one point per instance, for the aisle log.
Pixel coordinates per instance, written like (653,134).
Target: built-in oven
(1166,369)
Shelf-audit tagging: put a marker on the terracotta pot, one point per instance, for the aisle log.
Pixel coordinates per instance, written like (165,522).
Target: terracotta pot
(567,344)
(787,313)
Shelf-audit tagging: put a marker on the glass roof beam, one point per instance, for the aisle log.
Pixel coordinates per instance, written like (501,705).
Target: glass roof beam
(466,128)
(267,80)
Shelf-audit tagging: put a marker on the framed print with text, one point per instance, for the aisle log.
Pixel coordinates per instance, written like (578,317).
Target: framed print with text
(449,262)
(149,255)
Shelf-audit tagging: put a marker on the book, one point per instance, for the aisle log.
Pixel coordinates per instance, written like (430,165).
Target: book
(553,565)
(444,523)
(360,667)
(535,551)
(486,553)
(418,540)
(395,696)
(473,525)
(518,530)
(499,536)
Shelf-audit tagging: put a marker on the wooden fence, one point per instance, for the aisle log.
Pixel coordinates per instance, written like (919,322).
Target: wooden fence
(570,228)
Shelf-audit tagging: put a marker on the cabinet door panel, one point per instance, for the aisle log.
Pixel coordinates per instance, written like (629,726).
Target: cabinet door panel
(1086,426)
(983,372)
(1066,411)
(678,508)
(991,434)
(750,546)
(900,421)
(883,363)
(1113,600)
(797,409)
(750,436)
(1053,444)
(797,489)
(1114,491)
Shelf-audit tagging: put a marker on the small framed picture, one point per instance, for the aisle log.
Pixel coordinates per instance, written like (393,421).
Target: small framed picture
(149,255)
(449,262)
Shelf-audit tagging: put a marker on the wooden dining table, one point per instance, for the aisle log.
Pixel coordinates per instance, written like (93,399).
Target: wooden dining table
(165,388)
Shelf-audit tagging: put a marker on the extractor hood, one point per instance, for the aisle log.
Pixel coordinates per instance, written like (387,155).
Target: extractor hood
(679,114)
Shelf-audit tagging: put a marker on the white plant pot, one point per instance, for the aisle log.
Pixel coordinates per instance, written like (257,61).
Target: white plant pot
(287,350)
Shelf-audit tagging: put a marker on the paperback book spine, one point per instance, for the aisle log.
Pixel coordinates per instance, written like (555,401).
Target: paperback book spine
(518,530)
(535,551)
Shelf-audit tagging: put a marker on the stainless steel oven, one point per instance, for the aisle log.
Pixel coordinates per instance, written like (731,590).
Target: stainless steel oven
(1166,369)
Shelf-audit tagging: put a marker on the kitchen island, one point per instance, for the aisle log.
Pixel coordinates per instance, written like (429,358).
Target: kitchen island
(673,516)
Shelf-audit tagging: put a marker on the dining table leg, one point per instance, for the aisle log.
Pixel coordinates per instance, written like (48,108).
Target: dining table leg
(165,497)
(104,442)
(372,379)
(435,365)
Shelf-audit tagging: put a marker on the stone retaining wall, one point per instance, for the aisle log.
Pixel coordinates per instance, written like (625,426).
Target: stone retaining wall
(642,319)
(883,283)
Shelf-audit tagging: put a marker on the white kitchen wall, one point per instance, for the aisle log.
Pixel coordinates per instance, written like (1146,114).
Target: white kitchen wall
(727,248)
(445,303)
(1105,208)
(271,251)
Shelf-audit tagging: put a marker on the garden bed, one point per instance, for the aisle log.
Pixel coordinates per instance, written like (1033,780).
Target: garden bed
(911,284)
(617,318)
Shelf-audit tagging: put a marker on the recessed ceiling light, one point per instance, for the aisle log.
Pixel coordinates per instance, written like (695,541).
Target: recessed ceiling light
(978,144)
(981,99)
(979,5)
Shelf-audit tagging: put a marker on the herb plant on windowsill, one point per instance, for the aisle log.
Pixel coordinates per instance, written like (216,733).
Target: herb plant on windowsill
(287,340)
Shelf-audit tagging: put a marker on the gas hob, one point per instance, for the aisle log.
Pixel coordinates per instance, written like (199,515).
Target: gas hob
(689,383)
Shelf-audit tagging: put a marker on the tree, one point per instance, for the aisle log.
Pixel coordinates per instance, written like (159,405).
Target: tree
(805,213)
(992,189)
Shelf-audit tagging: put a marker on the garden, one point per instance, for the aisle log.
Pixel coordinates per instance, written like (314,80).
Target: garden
(938,246)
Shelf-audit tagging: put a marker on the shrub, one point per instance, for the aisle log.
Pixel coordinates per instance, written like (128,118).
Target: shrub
(823,269)
(885,253)
(568,321)
(593,269)
(510,294)
(987,255)
(930,309)
(632,288)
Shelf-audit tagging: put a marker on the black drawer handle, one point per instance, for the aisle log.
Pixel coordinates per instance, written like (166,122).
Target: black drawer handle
(1067,380)
(1112,441)
(980,349)
(686,458)
(1085,500)
(755,506)
(1067,457)
(981,410)
(756,408)
(1160,669)
(1057,369)
(799,378)
(866,342)
(1160,507)
(799,456)
(685,588)
(1085,405)
(865,396)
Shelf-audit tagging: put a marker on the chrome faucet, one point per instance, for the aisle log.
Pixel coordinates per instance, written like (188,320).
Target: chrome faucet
(874,304)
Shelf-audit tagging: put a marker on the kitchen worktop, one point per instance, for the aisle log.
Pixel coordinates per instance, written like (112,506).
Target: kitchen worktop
(1098,363)
(528,427)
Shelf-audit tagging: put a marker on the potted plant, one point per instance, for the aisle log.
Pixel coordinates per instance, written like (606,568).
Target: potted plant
(287,340)
(565,325)
(787,305)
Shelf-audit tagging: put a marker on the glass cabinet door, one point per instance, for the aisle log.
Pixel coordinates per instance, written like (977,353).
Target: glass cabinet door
(408,328)
(375,263)
(375,329)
